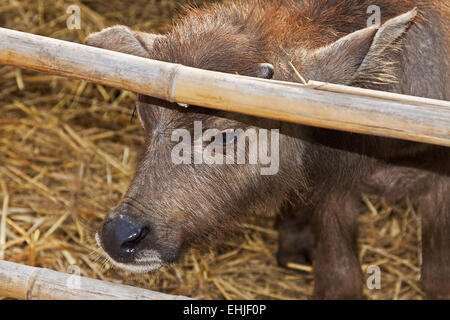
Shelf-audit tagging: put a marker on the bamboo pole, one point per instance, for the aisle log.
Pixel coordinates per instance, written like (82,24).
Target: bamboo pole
(328,106)
(25,282)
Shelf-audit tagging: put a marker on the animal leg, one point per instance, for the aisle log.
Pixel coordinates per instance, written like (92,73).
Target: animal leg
(337,270)
(296,238)
(434,207)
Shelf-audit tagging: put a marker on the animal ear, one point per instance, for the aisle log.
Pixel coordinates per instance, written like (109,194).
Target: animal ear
(263,70)
(362,56)
(122,39)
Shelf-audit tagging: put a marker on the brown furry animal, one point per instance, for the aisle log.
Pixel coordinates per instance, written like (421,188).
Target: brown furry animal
(322,172)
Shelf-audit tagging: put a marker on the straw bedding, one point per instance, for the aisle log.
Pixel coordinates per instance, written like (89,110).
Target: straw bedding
(67,153)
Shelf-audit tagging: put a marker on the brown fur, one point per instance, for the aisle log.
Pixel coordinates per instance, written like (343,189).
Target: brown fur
(322,172)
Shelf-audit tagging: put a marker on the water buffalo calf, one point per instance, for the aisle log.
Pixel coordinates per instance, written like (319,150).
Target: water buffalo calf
(321,172)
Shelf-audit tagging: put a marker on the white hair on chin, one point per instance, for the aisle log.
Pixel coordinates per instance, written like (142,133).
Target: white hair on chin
(147,261)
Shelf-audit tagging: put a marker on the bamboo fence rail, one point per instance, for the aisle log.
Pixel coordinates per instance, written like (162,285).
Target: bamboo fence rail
(31,283)
(317,104)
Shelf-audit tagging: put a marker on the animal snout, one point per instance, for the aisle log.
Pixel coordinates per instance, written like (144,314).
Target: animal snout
(123,237)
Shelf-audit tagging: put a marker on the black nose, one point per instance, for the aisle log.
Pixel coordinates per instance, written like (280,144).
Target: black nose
(122,238)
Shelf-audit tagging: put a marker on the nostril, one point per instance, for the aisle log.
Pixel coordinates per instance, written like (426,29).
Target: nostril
(134,239)
(123,237)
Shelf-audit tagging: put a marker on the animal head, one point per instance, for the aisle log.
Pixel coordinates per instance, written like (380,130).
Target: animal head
(186,184)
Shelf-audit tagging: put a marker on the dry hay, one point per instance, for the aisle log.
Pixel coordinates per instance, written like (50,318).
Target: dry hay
(67,152)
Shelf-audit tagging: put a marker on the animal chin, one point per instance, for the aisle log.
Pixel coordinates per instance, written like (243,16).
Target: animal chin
(148,261)
(137,268)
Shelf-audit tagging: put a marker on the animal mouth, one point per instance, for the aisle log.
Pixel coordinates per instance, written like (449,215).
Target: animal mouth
(147,261)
